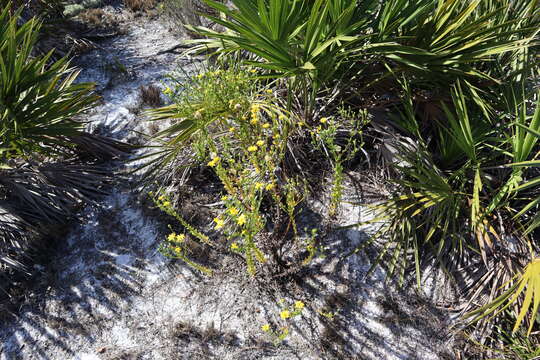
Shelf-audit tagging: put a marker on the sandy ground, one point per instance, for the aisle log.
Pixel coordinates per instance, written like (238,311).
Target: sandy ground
(111,295)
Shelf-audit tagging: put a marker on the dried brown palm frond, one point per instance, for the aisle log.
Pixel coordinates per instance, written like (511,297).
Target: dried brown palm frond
(99,147)
(49,192)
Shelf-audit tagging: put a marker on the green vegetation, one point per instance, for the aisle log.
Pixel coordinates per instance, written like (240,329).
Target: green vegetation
(38,101)
(48,163)
(296,94)
(289,102)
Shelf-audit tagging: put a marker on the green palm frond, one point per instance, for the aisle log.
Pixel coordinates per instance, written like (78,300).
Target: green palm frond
(38,99)
(529,135)
(528,282)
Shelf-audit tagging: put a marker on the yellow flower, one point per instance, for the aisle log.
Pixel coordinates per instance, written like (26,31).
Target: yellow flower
(253,71)
(269,91)
(241,219)
(299,305)
(233,211)
(265,328)
(282,117)
(166,203)
(285,314)
(232,129)
(177,250)
(219,223)
(180,238)
(277,136)
(258,186)
(260,143)
(254,120)
(214,161)
(224,198)
(167,91)
(252,148)
(323,120)
(171,237)
(161,198)
(301,123)
(270,187)
(266,126)
(200,76)
(234,246)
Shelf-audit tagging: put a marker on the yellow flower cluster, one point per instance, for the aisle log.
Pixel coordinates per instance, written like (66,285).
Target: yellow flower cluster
(241,219)
(234,246)
(285,314)
(214,161)
(176,238)
(164,201)
(255,108)
(219,223)
(252,148)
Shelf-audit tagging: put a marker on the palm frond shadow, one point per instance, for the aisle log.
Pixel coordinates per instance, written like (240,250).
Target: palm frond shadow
(84,280)
(354,313)
(38,200)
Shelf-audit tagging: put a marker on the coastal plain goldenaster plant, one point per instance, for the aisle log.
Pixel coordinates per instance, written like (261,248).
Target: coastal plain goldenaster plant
(286,314)
(235,126)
